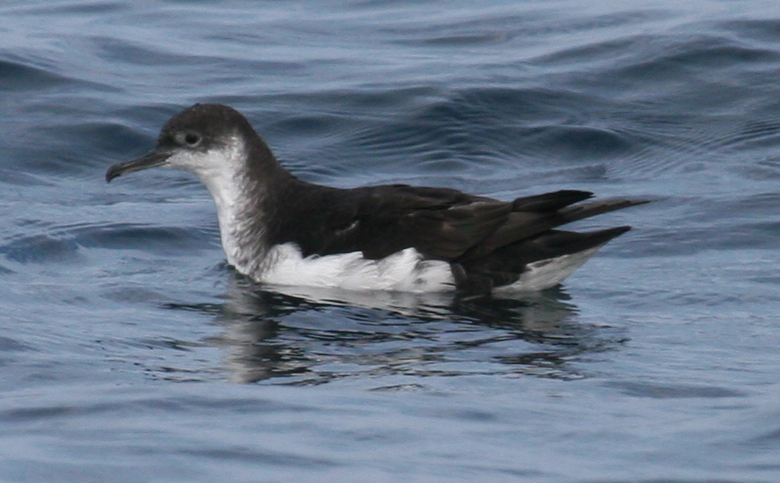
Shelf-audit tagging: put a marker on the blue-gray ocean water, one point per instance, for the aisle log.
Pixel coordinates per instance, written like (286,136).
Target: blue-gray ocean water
(131,352)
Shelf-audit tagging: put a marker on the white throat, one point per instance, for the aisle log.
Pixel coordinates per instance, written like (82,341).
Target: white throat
(235,195)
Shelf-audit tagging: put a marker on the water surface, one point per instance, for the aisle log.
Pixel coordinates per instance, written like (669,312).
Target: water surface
(132,352)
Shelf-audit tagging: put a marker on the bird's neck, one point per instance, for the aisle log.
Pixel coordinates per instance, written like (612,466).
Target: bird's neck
(243,201)
(242,221)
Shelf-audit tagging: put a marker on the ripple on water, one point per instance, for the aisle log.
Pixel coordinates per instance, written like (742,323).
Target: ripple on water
(62,244)
(16,75)
(673,391)
(42,249)
(479,133)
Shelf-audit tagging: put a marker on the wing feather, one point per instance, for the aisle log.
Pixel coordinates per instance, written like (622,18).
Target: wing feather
(441,223)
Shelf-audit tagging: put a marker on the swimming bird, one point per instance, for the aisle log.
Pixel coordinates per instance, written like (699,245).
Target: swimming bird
(278,229)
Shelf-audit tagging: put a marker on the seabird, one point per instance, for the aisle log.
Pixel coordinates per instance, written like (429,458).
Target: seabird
(278,229)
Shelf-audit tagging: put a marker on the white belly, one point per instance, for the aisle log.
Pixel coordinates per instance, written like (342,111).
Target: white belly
(405,271)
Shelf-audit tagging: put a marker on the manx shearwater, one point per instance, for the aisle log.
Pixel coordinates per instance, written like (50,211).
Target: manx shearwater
(278,229)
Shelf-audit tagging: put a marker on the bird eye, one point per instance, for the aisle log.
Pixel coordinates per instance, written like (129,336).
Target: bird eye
(190,139)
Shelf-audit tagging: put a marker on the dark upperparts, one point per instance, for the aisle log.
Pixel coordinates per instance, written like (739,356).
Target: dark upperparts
(489,242)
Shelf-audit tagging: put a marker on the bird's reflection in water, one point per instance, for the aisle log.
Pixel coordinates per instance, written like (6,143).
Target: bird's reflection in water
(309,336)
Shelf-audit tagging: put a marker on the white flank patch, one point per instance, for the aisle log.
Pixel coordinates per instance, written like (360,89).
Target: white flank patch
(549,273)
(405,271)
